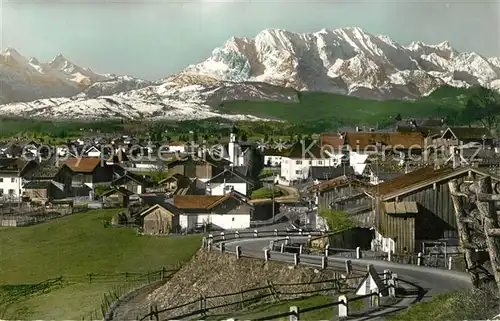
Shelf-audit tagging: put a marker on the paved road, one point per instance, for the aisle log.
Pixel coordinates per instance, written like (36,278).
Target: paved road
(425,281)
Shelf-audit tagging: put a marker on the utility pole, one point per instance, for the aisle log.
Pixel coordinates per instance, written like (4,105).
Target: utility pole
(272,197)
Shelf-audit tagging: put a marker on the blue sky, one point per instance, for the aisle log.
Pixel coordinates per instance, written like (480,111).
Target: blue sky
(152,39)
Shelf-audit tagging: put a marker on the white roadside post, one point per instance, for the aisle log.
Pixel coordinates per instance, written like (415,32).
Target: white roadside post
(296,259)
(450,263)
(255,233)
(343,306)
(419,259)
(267,255)
(324,262)
(238,252)
(358,252)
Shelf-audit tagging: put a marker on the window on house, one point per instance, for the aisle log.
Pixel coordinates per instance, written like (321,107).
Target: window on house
(1,180)
(11,192)
(12,180)
(233,219)
(320,162)
(1,192)
(298,172)
(298,162)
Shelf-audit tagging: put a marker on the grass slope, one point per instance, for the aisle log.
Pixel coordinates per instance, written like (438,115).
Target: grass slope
(314,106)
(77,245)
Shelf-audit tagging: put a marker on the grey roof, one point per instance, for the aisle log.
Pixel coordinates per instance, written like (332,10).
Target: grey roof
(327,173)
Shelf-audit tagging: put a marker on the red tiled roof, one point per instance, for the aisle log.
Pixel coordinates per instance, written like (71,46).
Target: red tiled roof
(196,201)
(83,165)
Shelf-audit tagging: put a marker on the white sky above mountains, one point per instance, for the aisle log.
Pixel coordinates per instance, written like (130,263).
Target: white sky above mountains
(152,39)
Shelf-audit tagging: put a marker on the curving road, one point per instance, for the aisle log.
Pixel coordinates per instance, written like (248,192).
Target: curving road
(426,281)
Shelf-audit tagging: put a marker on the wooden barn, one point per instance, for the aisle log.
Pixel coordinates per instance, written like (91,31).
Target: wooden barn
(116,197)
(417,207)
(159,219)
(346,193)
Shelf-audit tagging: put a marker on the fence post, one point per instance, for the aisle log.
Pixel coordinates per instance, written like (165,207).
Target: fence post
(222,247)
(222,235)
(300,249)
(343,307)
(450,263)
(358,252)
(163,273)
(309,237)
(392,288)
(236,235)
(389,256)
(327,248)
(151,312)
(300,231)
(419,258)
(209,244)
(282,247)
(374,299)
(149,278)
(271,245)
(238,251)
(203,242)
(387,276)
(275,232)
(90,277)
(395,278)
(296,259)
(266,254)
(324,262)
(157,318)
(348,267)
(287,239)
(255,233)
(295,315)
(126,276)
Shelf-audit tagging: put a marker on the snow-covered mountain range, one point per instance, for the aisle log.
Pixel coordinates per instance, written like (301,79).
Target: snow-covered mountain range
(270,66)
(24,80)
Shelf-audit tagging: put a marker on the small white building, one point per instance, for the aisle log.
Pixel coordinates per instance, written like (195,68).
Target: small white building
(371,283)
(93,152)
(177,147)
(229,180)
(226,212)
(296,164)
(11,177)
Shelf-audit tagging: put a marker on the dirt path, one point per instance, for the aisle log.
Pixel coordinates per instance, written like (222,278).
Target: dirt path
(130,309)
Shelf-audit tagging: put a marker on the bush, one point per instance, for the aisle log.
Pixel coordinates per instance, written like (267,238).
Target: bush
(337,220)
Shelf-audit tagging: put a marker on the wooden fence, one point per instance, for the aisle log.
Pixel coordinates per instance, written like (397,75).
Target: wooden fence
(242,299)
(127,282)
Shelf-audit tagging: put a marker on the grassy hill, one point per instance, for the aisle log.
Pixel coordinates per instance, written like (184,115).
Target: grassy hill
(73,247)
(346,110)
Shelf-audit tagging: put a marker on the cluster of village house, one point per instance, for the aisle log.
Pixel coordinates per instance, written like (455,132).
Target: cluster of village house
(212,186)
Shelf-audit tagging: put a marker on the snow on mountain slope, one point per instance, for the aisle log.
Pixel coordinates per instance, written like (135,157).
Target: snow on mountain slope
(270,67)
(349,61)
(25,80)
(182,96)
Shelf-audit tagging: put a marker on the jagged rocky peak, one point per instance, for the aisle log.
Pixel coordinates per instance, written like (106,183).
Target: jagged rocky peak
(340,60)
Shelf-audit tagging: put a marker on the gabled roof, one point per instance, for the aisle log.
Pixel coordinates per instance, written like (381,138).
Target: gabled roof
(418,179)
(338,181)
(328,172)
(131,176)
(372,273)
(174,177)
(37,185)
(205,202)
(166,207)
(12,164)
(83,164)
(120,190)
(230,176)
(466,133)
